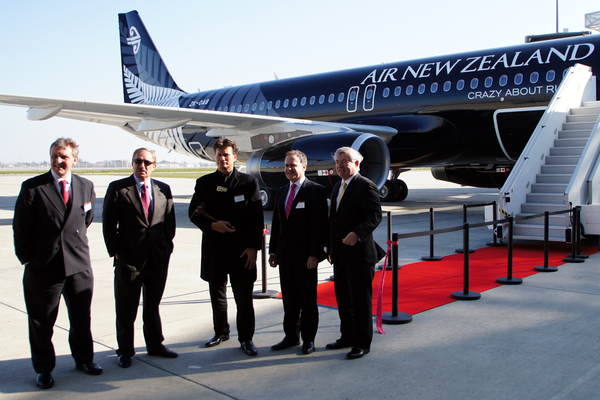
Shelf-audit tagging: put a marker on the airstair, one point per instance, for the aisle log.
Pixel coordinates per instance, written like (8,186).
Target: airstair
(556,170)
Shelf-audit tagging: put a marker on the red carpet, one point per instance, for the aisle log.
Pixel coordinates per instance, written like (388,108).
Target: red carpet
(429,284)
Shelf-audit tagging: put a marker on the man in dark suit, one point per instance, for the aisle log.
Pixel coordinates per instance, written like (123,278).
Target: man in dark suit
(226,206)
(138,222)
(298,238)
(355,213)
(52,214)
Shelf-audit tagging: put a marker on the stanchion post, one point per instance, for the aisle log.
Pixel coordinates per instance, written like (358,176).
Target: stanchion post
(431,244)
(509,280)
(389,237)
(572,258)
(395,317)
(264,293)
(546,267)
(466,294)
(578,230)
(495,227)
(464,222)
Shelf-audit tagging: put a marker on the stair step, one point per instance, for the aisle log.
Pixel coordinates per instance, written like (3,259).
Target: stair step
(591,104)
(548,188)
(582,118)
(552,198)
(575,134)
(538,231)
(554,220)
(566,151)
(559,169)
(572,126)
(571,142)
(562,160)
(553,178)
(541,238)
(537,208)
(591,110)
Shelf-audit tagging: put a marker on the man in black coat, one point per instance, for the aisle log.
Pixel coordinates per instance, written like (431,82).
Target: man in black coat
(298,238)
(355,213)
(138,223)
(52,214)
(226,206)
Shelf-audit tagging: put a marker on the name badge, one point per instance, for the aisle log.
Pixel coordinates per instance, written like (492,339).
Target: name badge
(238,198)
(301,204)
(87,206)
(221,189)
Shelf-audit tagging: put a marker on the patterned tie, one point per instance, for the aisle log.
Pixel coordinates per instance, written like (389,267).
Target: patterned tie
(341,194)
(65,191)
(288,206)
(146,201)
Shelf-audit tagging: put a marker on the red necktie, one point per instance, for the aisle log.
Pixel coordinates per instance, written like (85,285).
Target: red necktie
(65,191)
(145,200)
(288,206)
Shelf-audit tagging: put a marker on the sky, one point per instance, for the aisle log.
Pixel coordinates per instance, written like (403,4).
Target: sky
(70,50)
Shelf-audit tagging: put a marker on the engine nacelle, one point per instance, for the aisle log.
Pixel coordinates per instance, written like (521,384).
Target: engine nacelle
(480,176)
(268,165)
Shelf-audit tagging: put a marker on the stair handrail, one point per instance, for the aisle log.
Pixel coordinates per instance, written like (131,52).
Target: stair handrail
(571,91)
(594,182)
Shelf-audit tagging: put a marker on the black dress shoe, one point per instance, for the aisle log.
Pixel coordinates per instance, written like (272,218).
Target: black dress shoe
(44,380)
(357,352)
(338,344)
(162,351)
(308,347)
(249,348)
(285,344)
(90,369)
(124,361)
(216,340)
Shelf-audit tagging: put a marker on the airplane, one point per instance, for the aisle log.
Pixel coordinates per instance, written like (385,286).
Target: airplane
(467,116)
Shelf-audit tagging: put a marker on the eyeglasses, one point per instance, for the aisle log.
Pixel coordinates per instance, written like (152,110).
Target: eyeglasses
(147,163)
(343,162)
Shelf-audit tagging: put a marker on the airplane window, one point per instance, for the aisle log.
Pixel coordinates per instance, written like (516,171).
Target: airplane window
(409,90)
(533,78)
(434,87)
(489,81)
(474,83)
(550,75)
(565,72)
(219,109)
(397,91)
(460,85)
(286,103)
(303,101)
(369,94)
(421,88)
(322,99)
(278,104)
(447,86)
(331,98)
(312,100)
(254,107)
(262,105)
(503,80)
(386,92)
(270,105)
(341,97)
(353,96)
(294,102)
(247,107)
(518,79)
(239,108)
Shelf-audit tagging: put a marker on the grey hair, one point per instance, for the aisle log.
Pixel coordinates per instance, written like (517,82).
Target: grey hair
(354,155)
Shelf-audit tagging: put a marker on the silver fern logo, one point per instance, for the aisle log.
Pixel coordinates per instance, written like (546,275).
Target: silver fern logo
(134,39)
(143,93)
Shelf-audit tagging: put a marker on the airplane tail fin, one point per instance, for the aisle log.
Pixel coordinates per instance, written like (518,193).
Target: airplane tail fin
(146,79)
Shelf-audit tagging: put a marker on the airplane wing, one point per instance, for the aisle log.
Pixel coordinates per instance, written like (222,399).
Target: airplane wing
(253,131)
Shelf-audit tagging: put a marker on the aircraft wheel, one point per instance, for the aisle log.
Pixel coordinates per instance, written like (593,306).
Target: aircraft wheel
(388,192)
(267,199)
(401,189)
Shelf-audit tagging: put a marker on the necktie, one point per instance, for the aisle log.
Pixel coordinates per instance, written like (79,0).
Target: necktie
(146,201)
(288,206)
(342,193)
(65,191)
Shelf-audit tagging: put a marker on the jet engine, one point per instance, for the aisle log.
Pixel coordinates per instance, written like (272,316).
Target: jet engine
(268,165)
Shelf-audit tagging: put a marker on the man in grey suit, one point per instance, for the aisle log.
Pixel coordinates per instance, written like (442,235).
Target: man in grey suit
(355,213)
(52,214)
(138,222)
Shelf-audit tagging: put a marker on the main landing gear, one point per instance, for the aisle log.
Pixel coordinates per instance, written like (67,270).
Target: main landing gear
(393,190)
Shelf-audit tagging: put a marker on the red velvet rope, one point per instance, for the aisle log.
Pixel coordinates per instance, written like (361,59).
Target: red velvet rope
(380,290)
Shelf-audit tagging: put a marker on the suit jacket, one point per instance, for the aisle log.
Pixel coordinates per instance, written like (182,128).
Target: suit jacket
(127,232)
(305,232)
(237,201)
(43,225)
(359,212)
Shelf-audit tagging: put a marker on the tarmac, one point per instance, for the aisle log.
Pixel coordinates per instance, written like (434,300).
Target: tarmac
(538,340)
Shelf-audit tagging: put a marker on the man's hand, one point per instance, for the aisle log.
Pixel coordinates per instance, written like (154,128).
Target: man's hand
(251,260)
(222,227)
(312,262)
(351,239)
(272,261)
